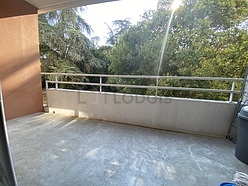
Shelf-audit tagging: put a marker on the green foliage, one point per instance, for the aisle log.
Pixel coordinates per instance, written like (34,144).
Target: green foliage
(224,85)
(63,46)
(119,27)
(102,54)
(205,39)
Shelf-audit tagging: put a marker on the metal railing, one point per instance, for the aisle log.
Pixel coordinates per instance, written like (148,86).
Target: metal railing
(230,91)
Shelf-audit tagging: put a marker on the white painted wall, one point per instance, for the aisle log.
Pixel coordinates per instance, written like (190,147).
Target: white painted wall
(176,114)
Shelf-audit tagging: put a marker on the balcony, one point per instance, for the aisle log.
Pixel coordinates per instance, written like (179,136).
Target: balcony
(94,137)
(52,149)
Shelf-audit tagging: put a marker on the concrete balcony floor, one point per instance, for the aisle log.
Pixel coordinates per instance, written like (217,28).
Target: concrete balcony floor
(51,149)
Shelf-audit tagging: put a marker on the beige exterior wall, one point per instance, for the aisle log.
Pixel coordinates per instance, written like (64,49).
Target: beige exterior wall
(205,117)
(19,58)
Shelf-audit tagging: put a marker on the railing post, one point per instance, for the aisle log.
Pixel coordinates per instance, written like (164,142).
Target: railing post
(232,89)
(100,83)
(56,80)
(46,85)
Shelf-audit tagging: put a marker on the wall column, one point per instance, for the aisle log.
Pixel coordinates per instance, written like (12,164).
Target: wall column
(20,58)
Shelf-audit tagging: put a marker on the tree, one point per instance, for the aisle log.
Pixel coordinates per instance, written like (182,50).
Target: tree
(120,27)
(62,39)
(102,53)
(205,39)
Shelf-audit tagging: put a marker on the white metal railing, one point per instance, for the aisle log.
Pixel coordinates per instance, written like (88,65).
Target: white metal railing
(230,91)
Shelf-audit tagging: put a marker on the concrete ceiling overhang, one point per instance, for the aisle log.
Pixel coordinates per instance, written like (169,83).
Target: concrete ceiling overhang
(52,5)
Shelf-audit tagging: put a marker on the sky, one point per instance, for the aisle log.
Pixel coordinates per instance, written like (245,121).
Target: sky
(98,14)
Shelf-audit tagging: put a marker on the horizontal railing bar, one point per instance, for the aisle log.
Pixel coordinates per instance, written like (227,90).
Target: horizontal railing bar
(146,77)
(144,86)
(73,83)
(128,86)
(172,88)
(200,90)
